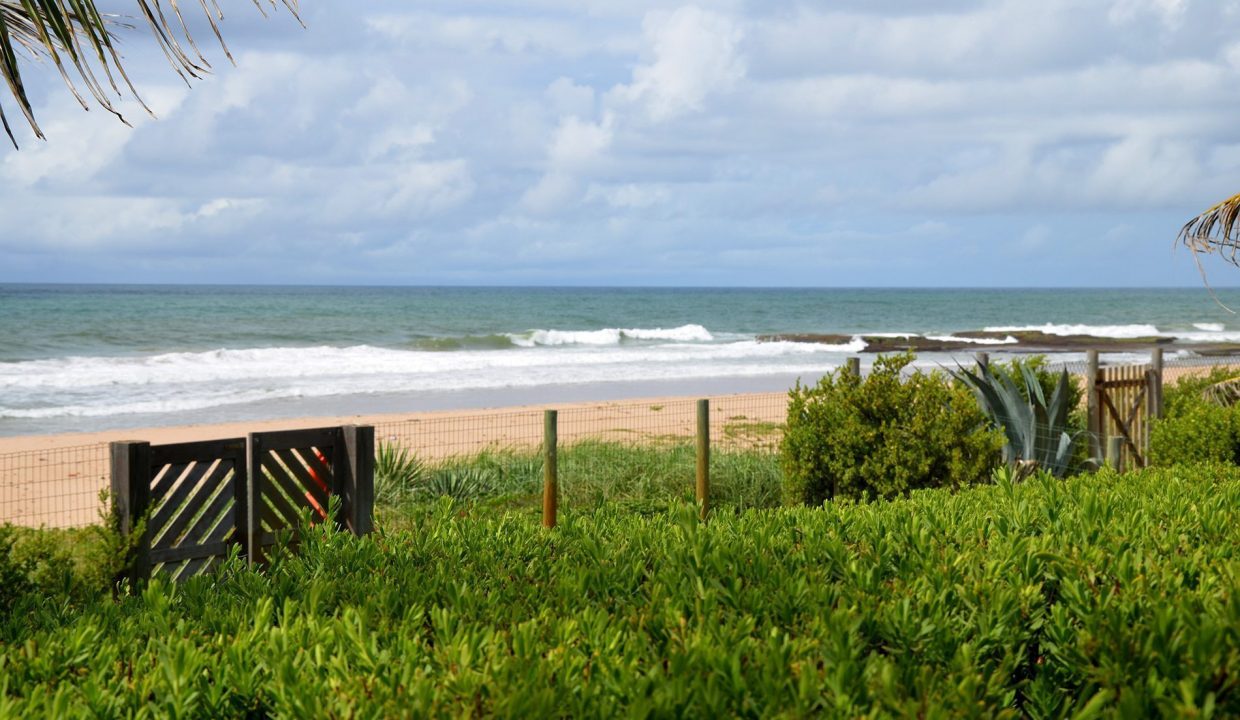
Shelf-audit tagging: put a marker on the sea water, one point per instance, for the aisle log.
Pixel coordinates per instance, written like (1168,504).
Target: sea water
(88,357)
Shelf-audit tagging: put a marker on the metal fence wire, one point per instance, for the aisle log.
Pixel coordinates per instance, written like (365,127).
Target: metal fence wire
(60,487)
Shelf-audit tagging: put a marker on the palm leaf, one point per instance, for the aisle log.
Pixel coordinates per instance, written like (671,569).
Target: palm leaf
(78,40)
(1225,393)
(1214,231)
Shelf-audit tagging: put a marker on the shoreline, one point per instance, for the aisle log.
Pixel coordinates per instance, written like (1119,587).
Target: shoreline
(215,431)
(56,479)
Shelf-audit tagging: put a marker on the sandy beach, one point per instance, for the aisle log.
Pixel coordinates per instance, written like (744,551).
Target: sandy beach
(56,479)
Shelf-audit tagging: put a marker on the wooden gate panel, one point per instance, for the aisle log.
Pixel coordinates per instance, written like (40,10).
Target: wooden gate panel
(197,505)
(294,472)
(1122,401)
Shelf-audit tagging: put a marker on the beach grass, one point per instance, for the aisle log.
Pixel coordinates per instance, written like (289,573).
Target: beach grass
(592,474)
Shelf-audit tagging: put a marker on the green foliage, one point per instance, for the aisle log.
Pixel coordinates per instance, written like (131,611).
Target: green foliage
(1100,596)
(643,478)
(883,436)
(1194,428)
(1035,423)
(1201,433)
(57,568)
(397,473)
(1190,390)
(1015,368)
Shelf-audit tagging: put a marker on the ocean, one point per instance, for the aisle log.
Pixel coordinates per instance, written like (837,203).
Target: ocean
(92,357)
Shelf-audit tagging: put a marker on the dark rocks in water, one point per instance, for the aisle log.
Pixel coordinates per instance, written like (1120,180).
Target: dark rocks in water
(1026,341)
(820,339)
(1036,339)
(916,343)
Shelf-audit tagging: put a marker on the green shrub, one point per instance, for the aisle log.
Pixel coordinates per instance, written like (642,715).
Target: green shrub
(1197,433)
(883,436)
(1195,429)
(1102,596)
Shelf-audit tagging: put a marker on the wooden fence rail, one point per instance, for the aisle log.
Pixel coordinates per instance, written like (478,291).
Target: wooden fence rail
(193,503)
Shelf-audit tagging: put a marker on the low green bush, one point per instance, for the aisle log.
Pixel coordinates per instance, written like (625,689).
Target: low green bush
(1194,428)
(883,436)
(1103,596)
(1196,433)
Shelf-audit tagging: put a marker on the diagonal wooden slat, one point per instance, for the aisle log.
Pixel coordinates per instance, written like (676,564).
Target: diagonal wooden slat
(293,490)
(173,533)
(304,478)
(317,462)
(172,505)
(279,484)
(209,518)
(1124,430)
(165,478)
(284,514)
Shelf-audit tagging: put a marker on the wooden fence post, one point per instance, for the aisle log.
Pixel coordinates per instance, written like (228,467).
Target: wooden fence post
(854,365)
(983,361)
(1093,411)
(1155,392)
(131,503)
(358,489)
(703,457)
(550,479)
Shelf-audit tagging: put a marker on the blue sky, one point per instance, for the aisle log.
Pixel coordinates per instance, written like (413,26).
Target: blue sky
(848,143)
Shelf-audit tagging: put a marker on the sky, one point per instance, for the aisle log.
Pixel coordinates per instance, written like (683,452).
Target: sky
(593,142)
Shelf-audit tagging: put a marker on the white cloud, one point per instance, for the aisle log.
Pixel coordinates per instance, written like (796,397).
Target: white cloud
(476,132)
(628,195)
(695,53)
(576,148)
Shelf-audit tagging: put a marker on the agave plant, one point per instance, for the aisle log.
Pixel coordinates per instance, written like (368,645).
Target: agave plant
(397,473)
(461,483)
(1036,427)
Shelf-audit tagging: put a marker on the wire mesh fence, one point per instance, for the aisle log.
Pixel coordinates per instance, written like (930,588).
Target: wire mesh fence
(54,487)
(607,451)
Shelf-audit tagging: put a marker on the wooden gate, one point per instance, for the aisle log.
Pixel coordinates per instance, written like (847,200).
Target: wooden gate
(1121,402)
(193,496)
(298,471)
(201,500)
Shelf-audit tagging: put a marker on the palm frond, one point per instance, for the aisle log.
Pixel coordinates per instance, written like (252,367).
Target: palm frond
(1224,394)
(79,41)
(1215,231)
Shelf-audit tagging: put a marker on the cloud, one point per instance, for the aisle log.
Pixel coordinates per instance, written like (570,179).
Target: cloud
(576,148)
(695,53)
(721,141)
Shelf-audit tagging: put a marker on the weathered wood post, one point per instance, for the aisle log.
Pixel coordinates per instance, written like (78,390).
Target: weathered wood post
(983,361)
(703,457)
(1155,392)
(131,503)
(550,479)
(854,366)
(357,491)
(1093,410)
(1115,453)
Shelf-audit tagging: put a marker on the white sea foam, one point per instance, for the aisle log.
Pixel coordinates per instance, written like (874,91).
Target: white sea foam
(1009,340)
(1103,331)
(185,382)
(1209,327)
(610,336)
